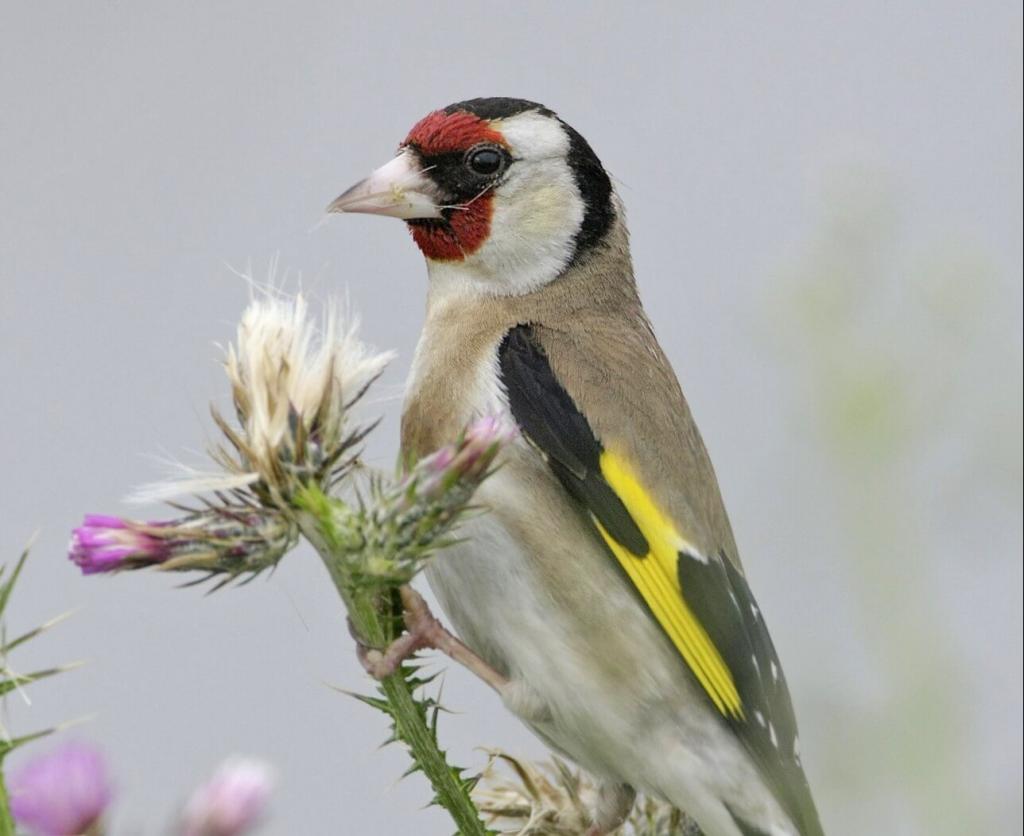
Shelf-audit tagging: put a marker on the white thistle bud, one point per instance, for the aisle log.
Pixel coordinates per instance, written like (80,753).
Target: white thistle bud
(292,383)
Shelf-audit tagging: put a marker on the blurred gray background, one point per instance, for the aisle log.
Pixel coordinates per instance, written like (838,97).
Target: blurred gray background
(825,202)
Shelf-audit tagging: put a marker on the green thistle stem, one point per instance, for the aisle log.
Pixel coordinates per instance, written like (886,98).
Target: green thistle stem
(375,618)
(6,821)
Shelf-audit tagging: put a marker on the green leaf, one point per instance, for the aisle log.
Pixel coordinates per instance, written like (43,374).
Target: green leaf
(14,680)
(31,634)
(8,746)
(7,586)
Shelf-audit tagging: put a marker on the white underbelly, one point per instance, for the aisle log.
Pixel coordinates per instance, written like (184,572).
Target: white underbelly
(490,588)
(533,592)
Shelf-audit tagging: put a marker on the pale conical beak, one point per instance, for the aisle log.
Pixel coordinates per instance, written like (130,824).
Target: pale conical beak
(398,189)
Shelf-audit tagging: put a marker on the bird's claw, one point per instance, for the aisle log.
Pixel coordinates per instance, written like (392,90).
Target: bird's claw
(422,631)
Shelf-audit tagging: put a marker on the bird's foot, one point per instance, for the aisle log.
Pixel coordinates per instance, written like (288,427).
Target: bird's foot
(380,664)
(423,631)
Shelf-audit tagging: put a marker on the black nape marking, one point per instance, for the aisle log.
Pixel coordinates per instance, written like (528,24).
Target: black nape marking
(591,179)
(595,189)
(549,419)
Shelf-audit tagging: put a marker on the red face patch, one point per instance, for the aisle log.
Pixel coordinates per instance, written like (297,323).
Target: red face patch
(441,133)
(462,234)
(465,227)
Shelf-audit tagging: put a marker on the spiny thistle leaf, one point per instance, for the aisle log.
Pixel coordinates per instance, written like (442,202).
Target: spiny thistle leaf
(9,645)
(7,585)
(10,679)
(428,707)
(9,745)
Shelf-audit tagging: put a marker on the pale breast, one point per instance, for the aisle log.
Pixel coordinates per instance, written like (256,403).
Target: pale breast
(453,378)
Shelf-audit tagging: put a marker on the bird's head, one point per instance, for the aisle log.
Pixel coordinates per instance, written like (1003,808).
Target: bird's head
(500,194)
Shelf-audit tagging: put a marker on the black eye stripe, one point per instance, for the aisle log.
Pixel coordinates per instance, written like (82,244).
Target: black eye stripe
(457,180)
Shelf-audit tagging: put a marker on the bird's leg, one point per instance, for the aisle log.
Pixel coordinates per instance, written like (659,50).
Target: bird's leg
(523,701)
(381,664)
(614,803)
(424,631)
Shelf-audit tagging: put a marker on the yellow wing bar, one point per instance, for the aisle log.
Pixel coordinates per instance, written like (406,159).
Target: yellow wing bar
(656,578)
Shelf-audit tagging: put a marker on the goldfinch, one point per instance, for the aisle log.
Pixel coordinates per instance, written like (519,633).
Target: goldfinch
(605,587)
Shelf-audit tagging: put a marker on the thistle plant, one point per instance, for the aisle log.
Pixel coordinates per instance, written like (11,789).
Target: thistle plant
(289,467)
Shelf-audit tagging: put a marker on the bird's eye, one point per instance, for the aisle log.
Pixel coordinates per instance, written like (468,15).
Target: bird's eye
(485,161)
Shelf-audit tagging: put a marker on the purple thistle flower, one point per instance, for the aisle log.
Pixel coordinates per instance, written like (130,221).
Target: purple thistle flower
(226,539)
(103,543)
(490,430)
(62,793)
(439,461)
(464,463)
(431,474)
(231,802)
(480,444)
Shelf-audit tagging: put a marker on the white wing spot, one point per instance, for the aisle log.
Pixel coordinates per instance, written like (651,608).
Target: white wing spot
(759,717)
(755,611)
(774,737)
(775,672)
(757,666)
(691,552)
(735,601)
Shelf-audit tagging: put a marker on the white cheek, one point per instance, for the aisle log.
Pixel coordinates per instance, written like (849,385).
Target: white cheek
(545,211)
(533,228)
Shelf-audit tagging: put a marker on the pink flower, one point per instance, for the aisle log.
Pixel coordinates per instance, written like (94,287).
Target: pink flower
(479,446)
(232,802)
(228,539)
(63,793)
(103,544)
(466,461)
(482,440)
(489,429)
